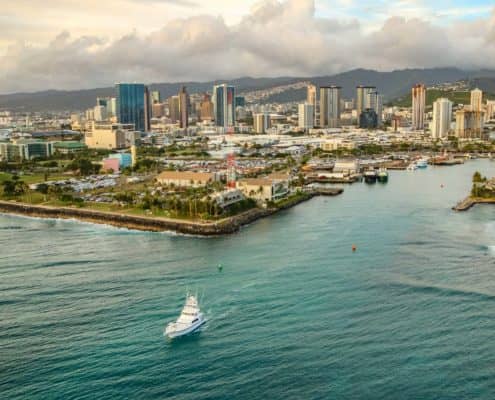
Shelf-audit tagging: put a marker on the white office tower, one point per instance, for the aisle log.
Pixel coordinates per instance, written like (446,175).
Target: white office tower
(418,107)
(305,116)
(476,100)
(330,106)
(442,117)
(261,122)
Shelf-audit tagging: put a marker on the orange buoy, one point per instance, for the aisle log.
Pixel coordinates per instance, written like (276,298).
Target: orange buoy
(354,248)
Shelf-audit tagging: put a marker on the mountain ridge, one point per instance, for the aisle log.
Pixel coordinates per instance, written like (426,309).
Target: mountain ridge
(391,84)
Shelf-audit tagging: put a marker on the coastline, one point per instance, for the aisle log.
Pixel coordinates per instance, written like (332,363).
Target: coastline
(223,226)
(470,202)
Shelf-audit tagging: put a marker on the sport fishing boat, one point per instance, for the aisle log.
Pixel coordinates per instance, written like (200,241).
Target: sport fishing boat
(382,175)
(190,319)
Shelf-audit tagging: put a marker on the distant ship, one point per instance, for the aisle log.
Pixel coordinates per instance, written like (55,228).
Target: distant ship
(382,175)
(370,176)
(190,319)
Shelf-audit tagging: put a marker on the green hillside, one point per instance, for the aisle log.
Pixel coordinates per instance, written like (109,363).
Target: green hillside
(457,97)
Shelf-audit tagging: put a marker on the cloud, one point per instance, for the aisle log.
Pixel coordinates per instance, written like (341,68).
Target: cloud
(274,38)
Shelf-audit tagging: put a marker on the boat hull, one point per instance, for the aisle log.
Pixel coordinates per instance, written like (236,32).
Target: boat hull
(370,178)
(183,332)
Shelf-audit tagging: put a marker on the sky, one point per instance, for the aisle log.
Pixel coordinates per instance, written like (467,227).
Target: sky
(74,44)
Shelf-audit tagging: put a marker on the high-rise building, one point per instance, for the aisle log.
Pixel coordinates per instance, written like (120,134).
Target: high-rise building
(374,101)
(183,108)
(476,100)
(490,110)
(206,109)
(362,99)
(155,97)
(224,105)
(147,109)
(158,110)
(240,101)
(469,124)
(330,106)
(311,99)
(368,119)
(442,117)
(261,122)
(418,107)
(306,116)
(133,105)
(173,109)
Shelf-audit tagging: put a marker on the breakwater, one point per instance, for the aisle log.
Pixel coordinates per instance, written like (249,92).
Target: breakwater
(154,224)
(469,202)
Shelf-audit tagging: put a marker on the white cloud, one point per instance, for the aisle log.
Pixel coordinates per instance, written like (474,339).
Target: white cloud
(273,38)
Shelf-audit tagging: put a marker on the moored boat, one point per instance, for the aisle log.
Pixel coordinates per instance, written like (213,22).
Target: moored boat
(370,176)
(190,319)
(382,175)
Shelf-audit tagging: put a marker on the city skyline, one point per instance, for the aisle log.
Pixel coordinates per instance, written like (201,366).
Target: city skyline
(98,46)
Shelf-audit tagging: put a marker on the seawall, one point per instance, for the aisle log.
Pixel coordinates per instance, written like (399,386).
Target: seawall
(153,224)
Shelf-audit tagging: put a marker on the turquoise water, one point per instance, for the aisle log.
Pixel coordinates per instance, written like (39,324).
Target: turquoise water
(294,313)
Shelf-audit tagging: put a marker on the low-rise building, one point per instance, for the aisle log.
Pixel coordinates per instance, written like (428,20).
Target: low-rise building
(69,147)
(263,189)
(228,197)
(186,178)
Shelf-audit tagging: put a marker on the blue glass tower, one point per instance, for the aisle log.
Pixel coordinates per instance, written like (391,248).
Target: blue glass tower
(224,105)
(132,105)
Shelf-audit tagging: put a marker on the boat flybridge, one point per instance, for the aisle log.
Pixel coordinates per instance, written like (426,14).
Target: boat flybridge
(190,319)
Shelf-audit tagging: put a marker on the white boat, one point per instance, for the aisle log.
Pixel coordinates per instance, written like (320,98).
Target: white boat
(190,319)
(422,163)
(412,167)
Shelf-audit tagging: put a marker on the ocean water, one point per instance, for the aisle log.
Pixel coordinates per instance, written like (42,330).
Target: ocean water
(295,314)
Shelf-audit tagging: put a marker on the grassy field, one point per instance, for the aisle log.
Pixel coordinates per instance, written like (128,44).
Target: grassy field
(457,97)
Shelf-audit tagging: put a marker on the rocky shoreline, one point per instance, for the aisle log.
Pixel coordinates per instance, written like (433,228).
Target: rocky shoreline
(154,224)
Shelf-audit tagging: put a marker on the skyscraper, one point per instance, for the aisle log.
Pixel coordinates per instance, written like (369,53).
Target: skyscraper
(469,124)
(305,116)
(362,98)
(476,100)
(330,106)
(206,111)
(147,109)
(183,108)
(442,117)
(311,100)
(374,101)
(173,109)
(155,97)
(418,107)
(224,105)
(132,105)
